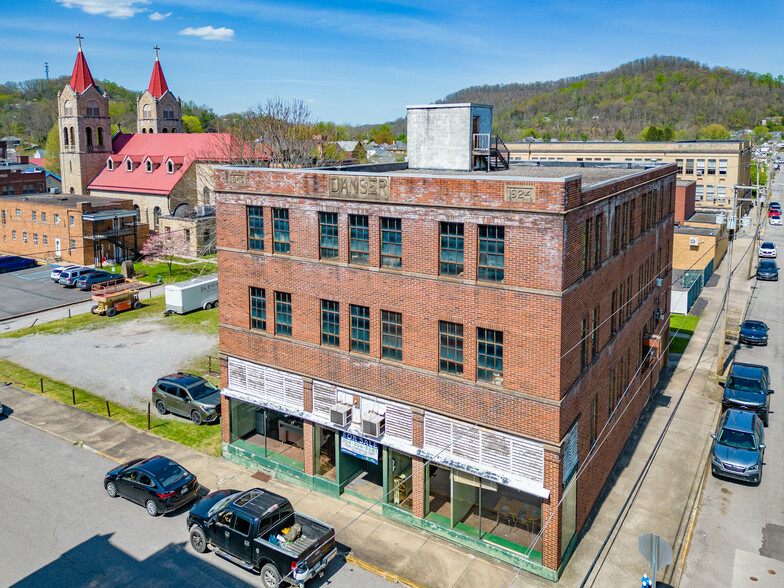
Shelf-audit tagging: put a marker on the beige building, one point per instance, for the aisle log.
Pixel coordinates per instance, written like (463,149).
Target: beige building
(715,166)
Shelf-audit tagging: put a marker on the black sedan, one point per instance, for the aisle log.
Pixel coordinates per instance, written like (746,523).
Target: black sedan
(767,270)
(159,483)
(753,333)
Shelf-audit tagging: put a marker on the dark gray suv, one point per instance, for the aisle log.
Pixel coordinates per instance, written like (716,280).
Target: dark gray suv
(748,388)
(187,395)
(738,447)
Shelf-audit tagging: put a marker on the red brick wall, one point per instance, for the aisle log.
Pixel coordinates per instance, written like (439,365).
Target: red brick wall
(684,201)
(16,181)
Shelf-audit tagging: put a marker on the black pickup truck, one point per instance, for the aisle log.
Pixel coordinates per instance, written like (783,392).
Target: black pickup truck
(247,528)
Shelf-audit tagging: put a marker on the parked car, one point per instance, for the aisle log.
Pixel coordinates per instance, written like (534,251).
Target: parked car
(158,483)
(55,275)
(68,277)
(767,249)
(753,333)
(776,220)
(187,395)
(774,208)
(767,270)
(247,528)
(98,277)
(748,388)
(12,263)
(738,447)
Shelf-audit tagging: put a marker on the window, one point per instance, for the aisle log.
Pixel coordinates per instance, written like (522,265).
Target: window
(711,167)
(280,230)
(4,213)
(450,348)
(35,238)
(587,245)
(168,112)
(258,309)
(283,314)
(595,332)
(584,349)
(71,220)
(148,166)
(93,109)
(128,165)
(67,111)
(46,240)
(146,111)
(34,215)
(614,311)
(242,525)
(622,303)
(617,230)
(256,228)
(700,167)
(360,329)
(597,240)
(689,167)
(391,335)
(721,193)
(491,253)
(611,395)
(328,235)
(73,244)
(679,164)
(593,421)
(391,243)
(722,167)
(698,192)
(359,239)
(18,212)
(13,235)
(709,193)
(490,356)
(330,323)
(24,236)
(109,164)
(99,131)
(89,135)
(65,137)
(452,245)
(8,190)
(43,217)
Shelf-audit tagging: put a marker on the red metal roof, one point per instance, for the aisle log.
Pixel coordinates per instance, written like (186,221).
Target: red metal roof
(81,78)
(186,147)
(157,85)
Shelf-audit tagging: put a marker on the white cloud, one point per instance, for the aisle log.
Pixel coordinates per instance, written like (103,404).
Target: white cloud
(210,33)
(110,8)
(158,16)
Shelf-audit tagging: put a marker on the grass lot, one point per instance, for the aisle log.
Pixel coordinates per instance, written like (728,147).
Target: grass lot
(205,438)
(678,344)
(685,325)
(205,321)
(185,270)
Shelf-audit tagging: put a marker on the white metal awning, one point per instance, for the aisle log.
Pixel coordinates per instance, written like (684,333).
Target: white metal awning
(109,214)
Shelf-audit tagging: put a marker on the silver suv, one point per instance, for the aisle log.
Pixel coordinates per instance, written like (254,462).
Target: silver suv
(187,395)
(738,446)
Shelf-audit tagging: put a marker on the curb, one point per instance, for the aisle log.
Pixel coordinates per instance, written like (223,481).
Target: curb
(389,576)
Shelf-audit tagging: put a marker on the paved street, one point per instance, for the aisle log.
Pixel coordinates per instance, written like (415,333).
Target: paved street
(740,528)
(33,290)
(59,528)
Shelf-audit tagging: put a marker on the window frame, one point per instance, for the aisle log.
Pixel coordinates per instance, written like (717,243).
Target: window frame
(330,323)
(391,249)
(283,314)
(280,219)
(255,223)
(488,245)
(258,308)
(328,236)
(359,333)
(450,339)
(490,356)
(358,255)
(451,239)
(391,332)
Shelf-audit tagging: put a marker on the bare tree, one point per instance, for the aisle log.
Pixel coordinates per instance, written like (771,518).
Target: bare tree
(165,246)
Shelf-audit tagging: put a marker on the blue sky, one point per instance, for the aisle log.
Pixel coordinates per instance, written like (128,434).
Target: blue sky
(363,62)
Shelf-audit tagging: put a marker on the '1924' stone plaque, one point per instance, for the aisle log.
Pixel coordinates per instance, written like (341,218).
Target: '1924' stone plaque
(520,194)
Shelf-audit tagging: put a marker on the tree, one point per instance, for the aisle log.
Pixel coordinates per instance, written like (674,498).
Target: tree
(654,133)
(166,246)
(714,132)
(619,135)
(52,146)
(761,131)
(191,124)
(763,176)
(382,134)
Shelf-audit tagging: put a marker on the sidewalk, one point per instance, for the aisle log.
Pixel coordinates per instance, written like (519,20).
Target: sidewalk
(653,488)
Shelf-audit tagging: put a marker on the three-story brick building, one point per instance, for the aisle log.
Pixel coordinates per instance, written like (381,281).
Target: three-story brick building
(452,343)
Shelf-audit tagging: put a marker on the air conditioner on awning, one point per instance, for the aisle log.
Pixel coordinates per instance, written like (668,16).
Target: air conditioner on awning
(340,415)
(373,425)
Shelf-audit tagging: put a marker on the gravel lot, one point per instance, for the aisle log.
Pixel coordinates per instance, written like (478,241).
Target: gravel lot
(120,362)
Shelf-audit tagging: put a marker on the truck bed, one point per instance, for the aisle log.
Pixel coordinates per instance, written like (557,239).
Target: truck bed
(312,532)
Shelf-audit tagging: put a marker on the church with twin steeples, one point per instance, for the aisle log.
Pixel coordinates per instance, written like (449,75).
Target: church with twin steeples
(167,173)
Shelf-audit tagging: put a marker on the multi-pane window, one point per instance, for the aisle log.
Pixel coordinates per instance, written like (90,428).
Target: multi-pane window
(330,323)
(711,167)
(597,240)
(24,237)
(73,244)
(256,228)
(700,167)
(721,193)
(689,167)
(587,245)
(679,164)
(71,220)
(450,348)
(13,235)
(280,230)
(491,253)
(34,215)
(258,309)
(283,314)
(698,191)
(391,243)
(614,311)
(584,349)
(35,238)
(43,217)
(490,356)
(46,239)
(593,420)
(4,213)
(452,249)
(722,167)
(595,332)
(360,329)
(709,193)
(359,239)
(328,235)
(391,335)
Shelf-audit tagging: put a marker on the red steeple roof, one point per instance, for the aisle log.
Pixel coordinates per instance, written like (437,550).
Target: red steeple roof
(81,78)
(157,85)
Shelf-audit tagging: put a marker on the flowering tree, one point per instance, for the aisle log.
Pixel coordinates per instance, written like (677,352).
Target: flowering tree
(166,246)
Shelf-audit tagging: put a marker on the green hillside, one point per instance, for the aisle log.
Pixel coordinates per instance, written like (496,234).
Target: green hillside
(663,91)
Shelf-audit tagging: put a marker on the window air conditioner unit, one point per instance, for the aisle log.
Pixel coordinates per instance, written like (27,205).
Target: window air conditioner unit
(373,425)
(694,241)
(340,415)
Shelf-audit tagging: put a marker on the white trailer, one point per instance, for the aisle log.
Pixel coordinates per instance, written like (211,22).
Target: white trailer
(192,294)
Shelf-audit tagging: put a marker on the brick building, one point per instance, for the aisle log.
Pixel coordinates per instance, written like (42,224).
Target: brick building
(19,178)
(449,343)
(69,228)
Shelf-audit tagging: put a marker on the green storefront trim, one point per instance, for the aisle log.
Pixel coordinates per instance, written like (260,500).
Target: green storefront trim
(246,454)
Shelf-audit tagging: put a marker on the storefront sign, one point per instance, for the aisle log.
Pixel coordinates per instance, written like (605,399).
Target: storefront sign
(359,447)
(360,187)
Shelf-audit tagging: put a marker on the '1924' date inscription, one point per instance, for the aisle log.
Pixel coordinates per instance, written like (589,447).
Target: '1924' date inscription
(521,194)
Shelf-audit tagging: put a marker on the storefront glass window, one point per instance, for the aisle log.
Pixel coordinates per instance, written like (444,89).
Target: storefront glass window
(269,433)
(325,452)
(399,480)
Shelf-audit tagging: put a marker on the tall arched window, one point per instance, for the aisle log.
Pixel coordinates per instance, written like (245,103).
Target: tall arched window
(93,109)
(165,130)
(144,131)
(65,136)
(148,166)
(73,137)
(169,167)
(147,111)
(68,108)
(100,136)
(174,130)
(109,164)
(138,212)
(168,112)
(89,136)
(128,165)
(156,214)
(150,130)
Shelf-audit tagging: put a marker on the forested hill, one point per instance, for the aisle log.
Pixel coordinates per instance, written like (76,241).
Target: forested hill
(663,91)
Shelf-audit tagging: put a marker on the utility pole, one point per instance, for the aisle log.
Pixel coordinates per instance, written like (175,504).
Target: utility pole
(725,305)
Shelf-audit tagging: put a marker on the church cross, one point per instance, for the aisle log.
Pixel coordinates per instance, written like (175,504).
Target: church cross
(79,36)
(156,51)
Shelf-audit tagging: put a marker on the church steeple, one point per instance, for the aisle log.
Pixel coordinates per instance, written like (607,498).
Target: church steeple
(81,78)
(157,110)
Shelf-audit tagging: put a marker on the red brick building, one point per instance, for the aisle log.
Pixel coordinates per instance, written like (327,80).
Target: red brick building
(17,178)
(451,344)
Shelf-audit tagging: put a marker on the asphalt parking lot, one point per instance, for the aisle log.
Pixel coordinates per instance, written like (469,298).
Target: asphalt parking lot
(32,290)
